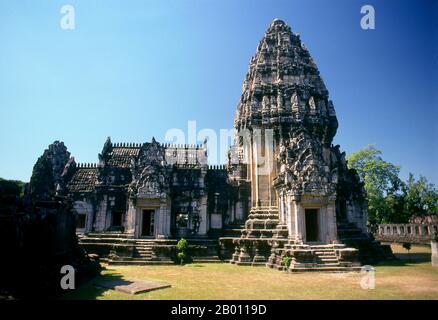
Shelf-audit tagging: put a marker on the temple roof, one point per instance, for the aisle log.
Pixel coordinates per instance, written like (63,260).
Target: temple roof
(83,180)
(120,157)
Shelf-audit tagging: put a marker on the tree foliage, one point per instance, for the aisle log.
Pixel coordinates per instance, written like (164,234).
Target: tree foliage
(421,197)
(390,200)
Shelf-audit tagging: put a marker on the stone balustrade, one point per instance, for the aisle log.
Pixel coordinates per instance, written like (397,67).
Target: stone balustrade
(414,233)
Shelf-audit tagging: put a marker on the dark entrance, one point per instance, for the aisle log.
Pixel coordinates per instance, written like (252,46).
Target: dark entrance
(117,218)
(311,225)
(147,228)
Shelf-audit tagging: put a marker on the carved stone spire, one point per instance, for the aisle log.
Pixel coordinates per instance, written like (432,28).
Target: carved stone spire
(283,86)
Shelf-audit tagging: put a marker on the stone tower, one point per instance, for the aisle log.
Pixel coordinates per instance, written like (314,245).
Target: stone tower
(301,187)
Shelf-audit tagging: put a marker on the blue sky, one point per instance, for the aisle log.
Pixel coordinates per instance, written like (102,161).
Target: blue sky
(134,69)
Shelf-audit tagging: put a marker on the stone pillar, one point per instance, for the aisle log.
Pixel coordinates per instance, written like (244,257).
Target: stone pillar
(99,223)
(130,219)
(300,223)
(162,220)
(203,215)
(323,233)
(158,222)
(239,209)
(137,222)
(281,208)
(331,222)
(291,217)
(434,247)
(231,211)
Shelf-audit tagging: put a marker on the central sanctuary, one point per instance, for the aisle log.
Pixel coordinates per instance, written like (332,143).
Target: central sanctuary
(285,199)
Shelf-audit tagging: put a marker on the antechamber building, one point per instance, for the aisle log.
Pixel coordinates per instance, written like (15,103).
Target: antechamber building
(286,191)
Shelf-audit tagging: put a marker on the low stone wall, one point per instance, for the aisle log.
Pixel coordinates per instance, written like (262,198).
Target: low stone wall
(414,233)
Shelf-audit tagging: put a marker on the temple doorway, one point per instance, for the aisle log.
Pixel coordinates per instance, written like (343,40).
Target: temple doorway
(312,225)
(147,224)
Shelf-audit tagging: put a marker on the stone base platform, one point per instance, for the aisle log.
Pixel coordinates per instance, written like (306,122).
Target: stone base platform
(119,249)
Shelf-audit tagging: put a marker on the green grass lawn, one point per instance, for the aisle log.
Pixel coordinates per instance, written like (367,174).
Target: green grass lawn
(411,277)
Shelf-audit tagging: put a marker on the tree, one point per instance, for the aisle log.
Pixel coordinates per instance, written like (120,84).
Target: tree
(421,198)
(382,183)
(391,200)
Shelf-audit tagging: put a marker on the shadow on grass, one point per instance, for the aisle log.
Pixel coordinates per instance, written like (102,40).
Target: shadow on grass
(91,289)
(405,259)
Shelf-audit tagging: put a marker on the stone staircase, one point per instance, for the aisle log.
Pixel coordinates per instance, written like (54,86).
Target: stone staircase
(310,258)
(143,254)
(261,223)
(144,249)
(326,259)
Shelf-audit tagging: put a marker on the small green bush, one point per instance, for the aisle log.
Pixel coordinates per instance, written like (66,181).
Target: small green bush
(182,247)
(181,257)
(287,260)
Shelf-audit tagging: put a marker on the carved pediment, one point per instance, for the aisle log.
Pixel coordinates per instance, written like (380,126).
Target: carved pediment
(149,172)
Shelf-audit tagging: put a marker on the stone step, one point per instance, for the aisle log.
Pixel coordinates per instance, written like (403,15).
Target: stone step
(139,262)
(103,240)
(130,258)
(328,264)
(144,252)
(328,259)
(207,261)
(327,269)
(107,235)
(323,258)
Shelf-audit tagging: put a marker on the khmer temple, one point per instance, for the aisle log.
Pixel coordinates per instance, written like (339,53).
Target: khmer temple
(285,191)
